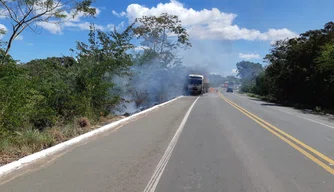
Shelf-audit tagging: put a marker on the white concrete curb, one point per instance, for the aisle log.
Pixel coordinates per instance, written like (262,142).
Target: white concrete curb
(16,165)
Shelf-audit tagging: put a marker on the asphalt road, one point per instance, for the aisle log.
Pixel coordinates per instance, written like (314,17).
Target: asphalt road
(223,142)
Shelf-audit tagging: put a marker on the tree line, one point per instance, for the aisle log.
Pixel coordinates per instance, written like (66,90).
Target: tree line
(45,91)
(46,101)
(300,71)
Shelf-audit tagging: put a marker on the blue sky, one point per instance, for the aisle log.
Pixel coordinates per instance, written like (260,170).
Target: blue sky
(226,32)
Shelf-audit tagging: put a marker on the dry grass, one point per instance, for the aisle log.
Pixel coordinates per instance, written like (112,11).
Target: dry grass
(84,122)
(29,141)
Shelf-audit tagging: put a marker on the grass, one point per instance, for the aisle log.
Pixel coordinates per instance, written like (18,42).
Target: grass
(18,144)
(264,98)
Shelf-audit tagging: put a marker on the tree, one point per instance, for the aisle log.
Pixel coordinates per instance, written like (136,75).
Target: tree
(160,37)
(99,62)
(248,71)
(301,70)
(54,79)
(325,73)
(18,98)
(233,78)
(30,13)
(216,80)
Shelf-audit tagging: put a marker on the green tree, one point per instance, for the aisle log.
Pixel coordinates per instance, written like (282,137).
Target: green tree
(18,98)
(300,70)
(99,62)
(325,74)
(248,71)
(216,80)
(53,78)
(161,37)
(233,78)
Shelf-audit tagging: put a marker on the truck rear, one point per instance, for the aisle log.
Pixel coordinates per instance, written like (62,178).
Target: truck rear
(195,84)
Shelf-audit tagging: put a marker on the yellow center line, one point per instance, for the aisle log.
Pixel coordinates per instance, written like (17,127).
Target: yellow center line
(330,161)
(271,128)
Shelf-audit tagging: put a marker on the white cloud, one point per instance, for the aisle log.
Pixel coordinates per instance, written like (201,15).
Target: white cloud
(207,24)
(249,56)
(121,25)
(277,34)
(118,27)
(234,71)
(51,27)
(121,14)
(4,29)
(69,22)
(140,48)
(79,15)
(111,26)
(20,37)
(57,27)
(82,26)
(114,13)
(3,13)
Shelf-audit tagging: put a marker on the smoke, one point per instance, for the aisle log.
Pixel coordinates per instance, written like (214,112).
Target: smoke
(211,56)
(151,84)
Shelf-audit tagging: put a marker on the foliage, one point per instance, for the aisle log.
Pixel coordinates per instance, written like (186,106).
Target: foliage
(39,99)
(160,37)
(216,80)
(46,91)
(301,70)
(248,71)
(104,58)
(233,78)
(53,78)
(157,67)
(18,98)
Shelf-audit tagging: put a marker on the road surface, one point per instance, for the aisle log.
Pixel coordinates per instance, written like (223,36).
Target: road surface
(212,143)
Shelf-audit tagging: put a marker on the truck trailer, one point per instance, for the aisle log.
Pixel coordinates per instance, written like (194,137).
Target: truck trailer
(206,85)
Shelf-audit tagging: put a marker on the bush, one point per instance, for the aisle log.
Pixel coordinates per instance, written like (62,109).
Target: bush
(18,98)
(83,122)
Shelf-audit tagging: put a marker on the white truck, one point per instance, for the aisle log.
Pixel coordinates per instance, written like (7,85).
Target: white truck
(195,84)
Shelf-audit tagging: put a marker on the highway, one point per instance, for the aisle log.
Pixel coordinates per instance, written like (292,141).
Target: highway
(212,143)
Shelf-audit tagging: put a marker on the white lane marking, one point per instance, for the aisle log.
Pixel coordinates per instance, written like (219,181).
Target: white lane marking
(314,121)
(27,160)
(152,184)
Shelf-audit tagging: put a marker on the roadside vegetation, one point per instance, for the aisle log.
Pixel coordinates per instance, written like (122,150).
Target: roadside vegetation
(47,101)
(300,71)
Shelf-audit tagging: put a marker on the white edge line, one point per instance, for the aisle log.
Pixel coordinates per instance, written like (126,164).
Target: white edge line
(314,121)
(305,118)
(27,160)
(152,184)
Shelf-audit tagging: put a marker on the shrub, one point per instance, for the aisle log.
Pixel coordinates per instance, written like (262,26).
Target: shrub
(83,122)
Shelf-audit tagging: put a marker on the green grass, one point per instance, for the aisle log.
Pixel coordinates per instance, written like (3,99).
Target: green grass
(23,143)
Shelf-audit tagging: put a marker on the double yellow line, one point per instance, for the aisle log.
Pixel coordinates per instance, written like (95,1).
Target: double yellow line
(306,150)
